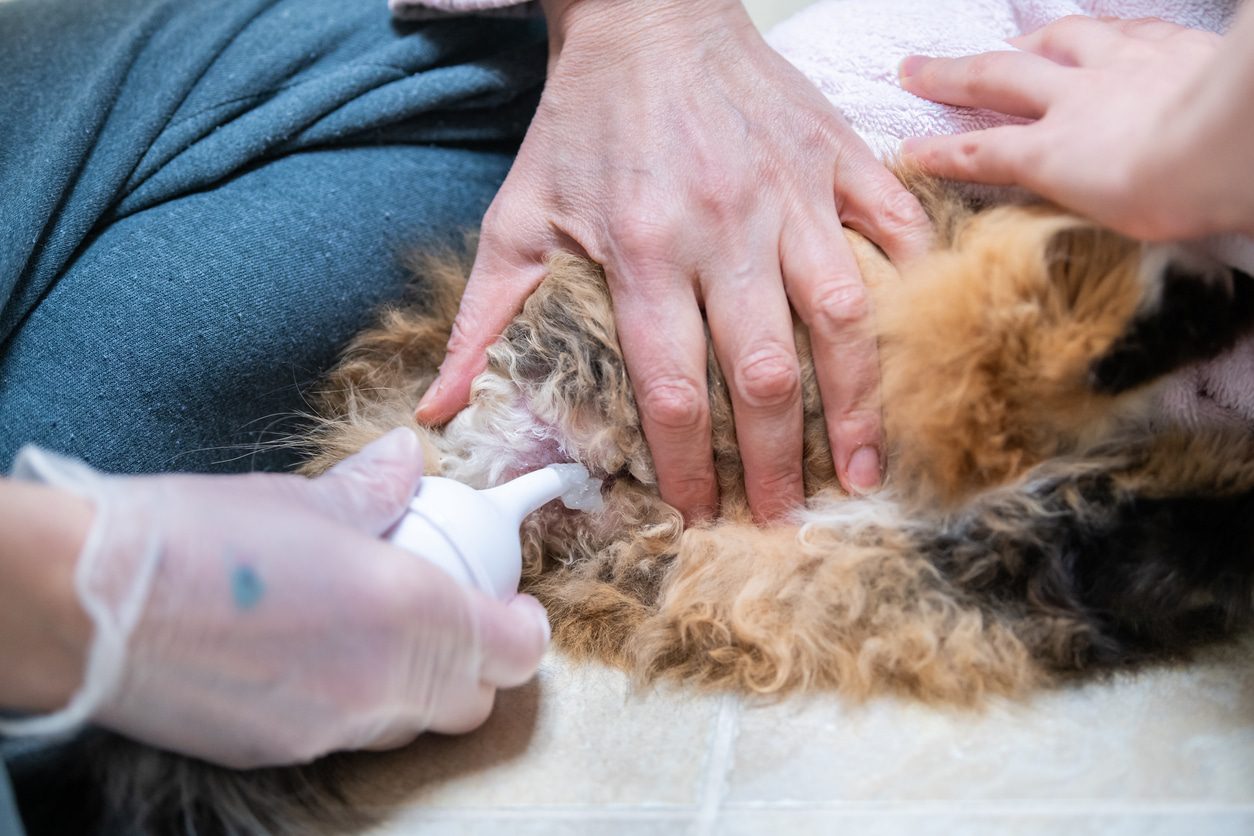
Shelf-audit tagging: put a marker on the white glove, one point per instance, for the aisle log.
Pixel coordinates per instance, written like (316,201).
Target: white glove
(258,620)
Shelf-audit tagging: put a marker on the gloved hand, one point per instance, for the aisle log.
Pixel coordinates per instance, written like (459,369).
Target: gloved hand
(258,620)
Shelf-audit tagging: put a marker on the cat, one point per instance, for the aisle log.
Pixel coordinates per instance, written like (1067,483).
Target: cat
(1037,523)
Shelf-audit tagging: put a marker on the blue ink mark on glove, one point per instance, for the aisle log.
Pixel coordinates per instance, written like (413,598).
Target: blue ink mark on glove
(246,588)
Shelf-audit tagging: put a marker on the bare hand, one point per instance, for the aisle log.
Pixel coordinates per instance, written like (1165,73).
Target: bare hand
(1130,124)
(704,173)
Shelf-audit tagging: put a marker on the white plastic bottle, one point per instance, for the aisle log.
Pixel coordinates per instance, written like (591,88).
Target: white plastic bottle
(473,535)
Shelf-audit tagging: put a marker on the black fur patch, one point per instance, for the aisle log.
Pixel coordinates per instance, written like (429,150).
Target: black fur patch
(1088,575)
(1197,319)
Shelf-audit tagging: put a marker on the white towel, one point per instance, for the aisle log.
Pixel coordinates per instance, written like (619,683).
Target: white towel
(850,49)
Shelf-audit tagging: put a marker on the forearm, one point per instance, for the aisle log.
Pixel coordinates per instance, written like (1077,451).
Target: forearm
(43,631)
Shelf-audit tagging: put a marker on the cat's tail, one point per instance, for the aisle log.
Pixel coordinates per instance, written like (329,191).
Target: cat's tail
(149,792)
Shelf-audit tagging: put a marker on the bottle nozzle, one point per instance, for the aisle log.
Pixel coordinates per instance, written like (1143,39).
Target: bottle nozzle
(519,497)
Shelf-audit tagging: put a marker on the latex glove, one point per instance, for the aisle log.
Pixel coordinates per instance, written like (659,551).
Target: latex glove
(1142,125)
(708,176)
(258,620)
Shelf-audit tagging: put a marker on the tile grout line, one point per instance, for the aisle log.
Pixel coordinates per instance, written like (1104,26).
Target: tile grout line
(976,808)
(718,766)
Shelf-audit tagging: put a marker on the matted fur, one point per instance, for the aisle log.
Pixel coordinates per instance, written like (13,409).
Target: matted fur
(1034,525)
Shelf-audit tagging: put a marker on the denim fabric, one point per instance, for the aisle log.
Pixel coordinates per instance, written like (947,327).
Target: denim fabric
(203,201)
(10,825)
(56,790)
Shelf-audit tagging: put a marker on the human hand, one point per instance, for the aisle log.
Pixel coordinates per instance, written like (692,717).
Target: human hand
(1132,124)
(267,622)
(705,173)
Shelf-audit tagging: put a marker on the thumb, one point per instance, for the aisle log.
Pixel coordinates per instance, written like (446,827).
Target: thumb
(513,637)
(371,489)
(499,283)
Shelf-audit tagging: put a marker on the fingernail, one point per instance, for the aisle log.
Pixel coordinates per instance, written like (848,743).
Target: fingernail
(910,65)
(909,145)
(864,470)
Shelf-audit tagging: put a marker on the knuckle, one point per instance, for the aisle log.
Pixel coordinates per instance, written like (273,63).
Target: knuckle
(460,338)
(821,131)
(858,425)
(898,209)
(1062,28)
(768,378)
(781,482)
(1199,40)
(980,69)
(691,486)
(382,487)
(838,306)
(466,714)
(642,236)
(971,157)
(493,223)
(675,404)
(720,184)
(481,709)
(724,194)
(694,492)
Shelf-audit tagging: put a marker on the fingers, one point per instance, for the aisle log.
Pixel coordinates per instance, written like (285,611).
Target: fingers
(466,713)
(1001,156)
(751,327)
(1015,83)
(830,297)
(663,341)
(514,638)
(502,278)
(1147,28)
(1074,41)
(369,490)
(870,199)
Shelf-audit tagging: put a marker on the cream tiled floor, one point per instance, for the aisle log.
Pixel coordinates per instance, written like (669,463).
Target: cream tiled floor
(1164,751)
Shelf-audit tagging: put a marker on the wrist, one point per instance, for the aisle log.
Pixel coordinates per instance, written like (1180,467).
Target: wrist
(44,632)
(1202,151)
(613,23)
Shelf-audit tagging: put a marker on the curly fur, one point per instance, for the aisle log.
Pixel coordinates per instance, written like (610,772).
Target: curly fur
(1034,526)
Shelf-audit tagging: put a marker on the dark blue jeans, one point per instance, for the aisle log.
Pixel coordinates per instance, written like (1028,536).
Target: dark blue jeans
(201,202)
